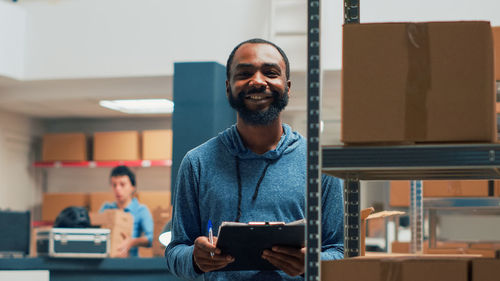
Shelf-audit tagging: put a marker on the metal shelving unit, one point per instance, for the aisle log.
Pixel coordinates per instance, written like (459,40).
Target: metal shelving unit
(417,162)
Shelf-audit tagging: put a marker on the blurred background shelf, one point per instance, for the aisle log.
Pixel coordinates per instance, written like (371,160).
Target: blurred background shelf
(97,164)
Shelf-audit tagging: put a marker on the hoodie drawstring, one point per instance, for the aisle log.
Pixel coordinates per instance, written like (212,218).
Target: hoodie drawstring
(256,192)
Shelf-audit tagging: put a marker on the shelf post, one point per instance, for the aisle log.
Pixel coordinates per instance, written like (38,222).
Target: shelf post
(352,219)
(313,186)
(351,11)
(416,216)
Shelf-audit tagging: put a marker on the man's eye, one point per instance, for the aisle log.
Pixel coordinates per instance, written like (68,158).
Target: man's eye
(243,74)
(272,74)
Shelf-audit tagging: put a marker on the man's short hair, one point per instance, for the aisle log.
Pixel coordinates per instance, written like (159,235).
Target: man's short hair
(258,41)
(123,171)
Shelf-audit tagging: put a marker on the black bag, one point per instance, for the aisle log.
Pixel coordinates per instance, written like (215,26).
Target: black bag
(73,217)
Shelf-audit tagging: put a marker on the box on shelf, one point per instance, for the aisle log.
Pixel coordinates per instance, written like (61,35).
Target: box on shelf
(399,194)
(496,43)
(120,223)
(154,199)
(400,190)
(97,199)
(144,252)
(455,188)
(54,203)
(157,144)
(418,82)
(398,267)
(161,216)
(485,269)
(64,147)
(121,145)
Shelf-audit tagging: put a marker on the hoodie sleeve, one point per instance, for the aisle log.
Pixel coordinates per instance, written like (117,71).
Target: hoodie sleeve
(332,219)
(185,222)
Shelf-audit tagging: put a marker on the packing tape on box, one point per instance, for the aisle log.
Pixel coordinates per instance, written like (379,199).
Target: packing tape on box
(391,270)
(418,81)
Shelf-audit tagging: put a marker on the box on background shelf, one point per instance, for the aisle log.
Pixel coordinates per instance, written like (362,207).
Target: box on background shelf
(157,144)
(418,82)
(154,199)
(161,216)
(121,145)
(64,147)
(400,190)
(54,203)
(496,42)
(97,199)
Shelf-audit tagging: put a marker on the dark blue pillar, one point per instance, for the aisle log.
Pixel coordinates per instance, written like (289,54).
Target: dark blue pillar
(201,107)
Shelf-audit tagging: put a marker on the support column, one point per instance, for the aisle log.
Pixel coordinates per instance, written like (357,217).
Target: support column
(201,109)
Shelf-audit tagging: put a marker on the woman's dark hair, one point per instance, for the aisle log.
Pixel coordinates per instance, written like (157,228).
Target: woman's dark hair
(123,171)
(73,217)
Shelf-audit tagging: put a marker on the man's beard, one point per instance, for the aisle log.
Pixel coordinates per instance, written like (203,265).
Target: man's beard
(259,117)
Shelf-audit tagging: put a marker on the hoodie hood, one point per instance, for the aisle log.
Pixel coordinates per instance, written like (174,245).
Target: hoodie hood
(232,141)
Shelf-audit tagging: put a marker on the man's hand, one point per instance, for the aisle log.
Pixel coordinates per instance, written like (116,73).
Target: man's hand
(202,258)
(290,260)
(124,246)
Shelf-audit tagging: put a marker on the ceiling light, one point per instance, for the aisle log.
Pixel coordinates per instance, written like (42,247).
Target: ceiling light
(140,106)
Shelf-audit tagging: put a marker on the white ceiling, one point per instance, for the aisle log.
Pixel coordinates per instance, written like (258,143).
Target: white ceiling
(79,98)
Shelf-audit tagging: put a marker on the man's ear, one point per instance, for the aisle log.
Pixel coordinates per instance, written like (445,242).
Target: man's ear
(289,84)
(227,88)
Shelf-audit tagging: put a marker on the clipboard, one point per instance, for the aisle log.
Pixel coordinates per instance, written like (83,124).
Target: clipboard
(246,242)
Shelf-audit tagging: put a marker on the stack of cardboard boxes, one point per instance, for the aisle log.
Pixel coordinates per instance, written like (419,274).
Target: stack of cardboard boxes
(108,146)
(411,268)
(419,83)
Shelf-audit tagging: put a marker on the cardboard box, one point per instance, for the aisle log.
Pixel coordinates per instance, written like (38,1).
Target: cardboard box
(157,144)
(64,147)
(485,269)
(400,190)
(496,42)
(399,195)
(54,203)
(111,146)
(161,216)
(144,252)
(418,82)
(154,199)
(401,268)
(120,223)
(97,200)
(455,188)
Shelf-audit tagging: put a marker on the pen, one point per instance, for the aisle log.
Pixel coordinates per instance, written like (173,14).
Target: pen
(210,236)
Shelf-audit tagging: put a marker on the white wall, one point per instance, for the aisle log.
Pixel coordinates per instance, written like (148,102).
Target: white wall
(12,35)
(112,38)
(20,187)
(398,10)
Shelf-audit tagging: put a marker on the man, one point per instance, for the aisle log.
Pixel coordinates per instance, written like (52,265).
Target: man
(123,184)
(253,171)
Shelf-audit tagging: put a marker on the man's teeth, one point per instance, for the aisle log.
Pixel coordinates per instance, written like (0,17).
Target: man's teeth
(257,97)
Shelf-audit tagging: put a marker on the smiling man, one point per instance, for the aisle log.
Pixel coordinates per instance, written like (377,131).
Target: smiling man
(252,171)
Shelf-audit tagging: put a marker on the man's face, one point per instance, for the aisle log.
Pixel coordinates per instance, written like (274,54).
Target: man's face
(257,86)
(122,188)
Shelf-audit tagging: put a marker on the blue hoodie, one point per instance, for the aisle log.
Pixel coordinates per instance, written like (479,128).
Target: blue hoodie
(207,188)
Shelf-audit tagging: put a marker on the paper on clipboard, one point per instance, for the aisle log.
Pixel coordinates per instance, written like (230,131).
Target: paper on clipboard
(246,242)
